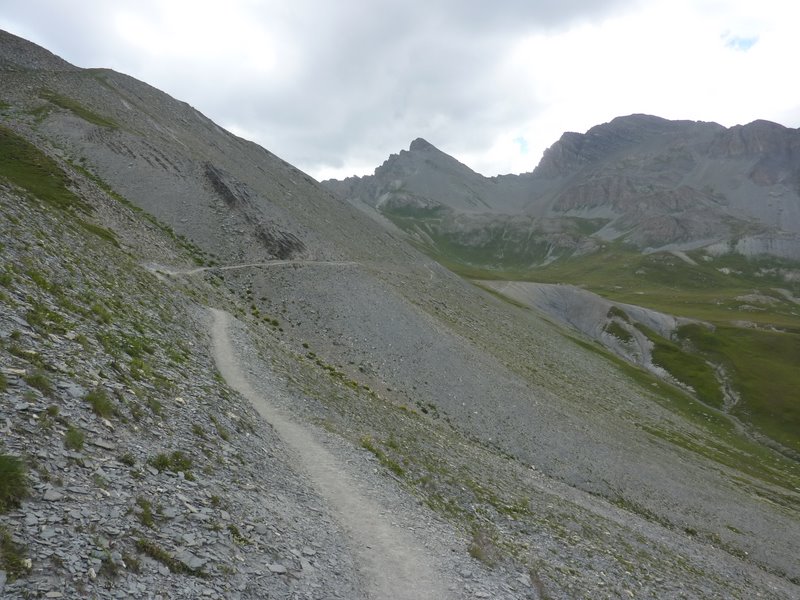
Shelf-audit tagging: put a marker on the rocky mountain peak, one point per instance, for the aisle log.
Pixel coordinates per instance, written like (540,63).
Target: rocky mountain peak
(421,145)
(575,150)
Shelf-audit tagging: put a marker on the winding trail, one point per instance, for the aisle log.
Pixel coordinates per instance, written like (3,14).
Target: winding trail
(270,263)
(394,565)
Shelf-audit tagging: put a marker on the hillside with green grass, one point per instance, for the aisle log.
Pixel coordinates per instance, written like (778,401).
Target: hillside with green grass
(750,309)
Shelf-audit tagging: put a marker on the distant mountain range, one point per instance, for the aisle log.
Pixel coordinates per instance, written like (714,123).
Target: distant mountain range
(640,181)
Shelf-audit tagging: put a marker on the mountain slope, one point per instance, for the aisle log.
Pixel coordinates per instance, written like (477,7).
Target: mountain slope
(641,180)
(452,392)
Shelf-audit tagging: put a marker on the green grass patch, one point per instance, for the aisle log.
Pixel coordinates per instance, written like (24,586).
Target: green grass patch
(718,439)
(158,553)
(74,439)
(27,167)
(764,368)
(78,109)
(39,380)
(688,368)
(12,556)
(369,444)
(101,232)
(618,331)
(616,311)
(176,462)
(145,515)
(13,482)
(101,404)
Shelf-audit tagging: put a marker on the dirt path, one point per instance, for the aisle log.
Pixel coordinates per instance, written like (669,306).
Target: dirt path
(162,270)
(394,565)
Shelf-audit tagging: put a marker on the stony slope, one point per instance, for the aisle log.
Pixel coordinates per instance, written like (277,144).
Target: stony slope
(454,392)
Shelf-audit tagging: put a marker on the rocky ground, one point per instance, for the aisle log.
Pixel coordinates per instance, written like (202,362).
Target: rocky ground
(148,477)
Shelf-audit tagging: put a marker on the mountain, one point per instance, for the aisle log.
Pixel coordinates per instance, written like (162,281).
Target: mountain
(221,380)
(639,180)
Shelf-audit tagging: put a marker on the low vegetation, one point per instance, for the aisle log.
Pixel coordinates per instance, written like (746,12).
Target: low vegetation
(13,482)
(74,439)
(77,109)
(12,556)
(100,403)
(161,555)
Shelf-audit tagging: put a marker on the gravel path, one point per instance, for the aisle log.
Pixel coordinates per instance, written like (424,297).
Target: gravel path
(271,263)
(393,563)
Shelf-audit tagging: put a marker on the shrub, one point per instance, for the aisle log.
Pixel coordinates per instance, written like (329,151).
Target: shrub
(176,462)
(73,439)
(13,482)
(101,404)
(12,559)
(146,516)
(39,380)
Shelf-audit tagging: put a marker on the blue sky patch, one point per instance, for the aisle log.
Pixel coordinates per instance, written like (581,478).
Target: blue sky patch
(743,44)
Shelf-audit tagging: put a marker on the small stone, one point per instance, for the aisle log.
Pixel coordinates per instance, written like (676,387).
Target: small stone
(277,568)
(92,574)
(104,444)
(192,561)
(54,595)
(308,551)
(52,496)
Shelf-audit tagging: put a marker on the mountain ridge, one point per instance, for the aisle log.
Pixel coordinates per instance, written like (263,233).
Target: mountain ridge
(658,184)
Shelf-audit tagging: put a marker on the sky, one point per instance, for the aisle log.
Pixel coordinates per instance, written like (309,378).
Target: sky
(336,87)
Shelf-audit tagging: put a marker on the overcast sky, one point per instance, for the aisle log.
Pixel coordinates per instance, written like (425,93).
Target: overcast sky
(334,87)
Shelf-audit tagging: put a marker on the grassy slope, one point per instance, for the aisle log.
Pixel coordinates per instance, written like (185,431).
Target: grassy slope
(758,343)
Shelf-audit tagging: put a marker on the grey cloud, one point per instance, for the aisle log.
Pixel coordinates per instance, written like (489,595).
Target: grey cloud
(364,78)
